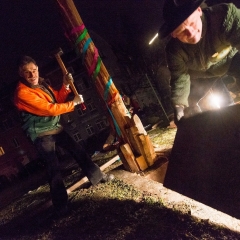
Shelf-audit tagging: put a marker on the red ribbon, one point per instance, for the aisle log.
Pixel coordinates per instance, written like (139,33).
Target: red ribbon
(77,29)
(94,62)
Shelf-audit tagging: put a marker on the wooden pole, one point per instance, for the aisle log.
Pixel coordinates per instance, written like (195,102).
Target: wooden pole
(78,34)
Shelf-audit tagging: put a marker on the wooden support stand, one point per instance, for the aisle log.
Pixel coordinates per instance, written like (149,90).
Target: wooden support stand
(142,154)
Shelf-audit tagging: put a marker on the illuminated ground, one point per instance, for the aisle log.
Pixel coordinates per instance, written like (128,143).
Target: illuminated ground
(131,207)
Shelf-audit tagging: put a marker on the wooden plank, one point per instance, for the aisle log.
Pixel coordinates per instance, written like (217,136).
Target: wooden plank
(146,145)
(85,179)
(134,145)
(124,162)
(141,162)
(140,150)
(133,131)
(136,122)
(129,157)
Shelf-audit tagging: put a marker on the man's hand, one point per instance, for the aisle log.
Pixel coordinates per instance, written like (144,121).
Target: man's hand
(178,113)
(67,79)
(78,100)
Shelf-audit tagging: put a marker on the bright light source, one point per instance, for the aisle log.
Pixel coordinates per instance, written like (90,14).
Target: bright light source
(215,100)
(153,39)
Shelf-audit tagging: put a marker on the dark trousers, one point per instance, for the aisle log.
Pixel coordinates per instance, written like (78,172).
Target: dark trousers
(46,146)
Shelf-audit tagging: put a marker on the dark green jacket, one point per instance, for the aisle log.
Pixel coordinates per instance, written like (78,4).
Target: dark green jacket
(210,57)
(36,125)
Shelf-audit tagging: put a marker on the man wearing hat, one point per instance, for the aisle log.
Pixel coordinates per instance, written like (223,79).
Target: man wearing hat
(204,44)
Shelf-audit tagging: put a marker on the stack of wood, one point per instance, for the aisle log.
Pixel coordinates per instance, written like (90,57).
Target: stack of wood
(139,153)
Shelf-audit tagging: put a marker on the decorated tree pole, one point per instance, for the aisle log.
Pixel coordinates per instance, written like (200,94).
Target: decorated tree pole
(136,147)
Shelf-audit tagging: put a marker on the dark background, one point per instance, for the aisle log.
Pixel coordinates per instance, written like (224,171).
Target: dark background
(34,28)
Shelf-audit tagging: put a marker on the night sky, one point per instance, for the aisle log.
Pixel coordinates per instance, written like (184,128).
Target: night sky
(26,28)
(33,27)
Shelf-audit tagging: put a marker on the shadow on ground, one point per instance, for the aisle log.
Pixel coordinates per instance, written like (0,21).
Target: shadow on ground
(110,211)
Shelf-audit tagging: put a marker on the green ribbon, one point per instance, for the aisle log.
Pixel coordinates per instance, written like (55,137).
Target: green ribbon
(97,70)
(81,37)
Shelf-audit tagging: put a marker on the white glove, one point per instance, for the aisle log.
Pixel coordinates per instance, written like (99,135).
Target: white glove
(67,79)
(78,99)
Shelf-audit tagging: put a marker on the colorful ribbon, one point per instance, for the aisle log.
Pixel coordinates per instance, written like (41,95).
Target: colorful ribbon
(95,67)
(94,62)
(77,29)
(107,87)
(81,37)
(106,92)
(85,48)
(98,67)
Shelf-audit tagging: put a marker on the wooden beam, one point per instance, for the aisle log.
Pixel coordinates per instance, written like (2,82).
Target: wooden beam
(85,179)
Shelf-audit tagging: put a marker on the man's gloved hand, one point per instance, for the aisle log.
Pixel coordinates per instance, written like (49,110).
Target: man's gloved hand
(178,113)
(67,79)
(78,99)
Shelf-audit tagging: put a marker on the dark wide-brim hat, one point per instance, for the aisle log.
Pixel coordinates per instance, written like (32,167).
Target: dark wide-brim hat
(175,12)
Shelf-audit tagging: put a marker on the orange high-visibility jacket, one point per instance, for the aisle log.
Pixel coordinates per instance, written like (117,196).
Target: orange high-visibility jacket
(38,102)
(40,112)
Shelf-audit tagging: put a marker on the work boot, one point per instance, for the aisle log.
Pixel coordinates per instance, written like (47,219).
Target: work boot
(107,178)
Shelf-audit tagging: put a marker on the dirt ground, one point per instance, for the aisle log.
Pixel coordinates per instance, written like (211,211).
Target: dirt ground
(133,206)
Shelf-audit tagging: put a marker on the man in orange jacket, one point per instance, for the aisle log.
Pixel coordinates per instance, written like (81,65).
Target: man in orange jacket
(40,107)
